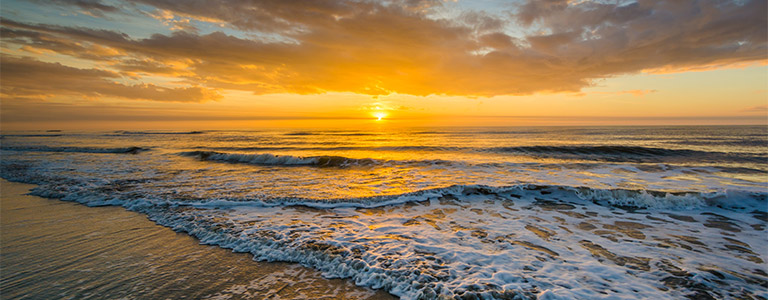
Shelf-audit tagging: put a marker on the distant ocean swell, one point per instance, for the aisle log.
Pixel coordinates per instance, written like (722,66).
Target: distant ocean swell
(117,150)
(600,153)
(158,132)
(341,148)
(30,135)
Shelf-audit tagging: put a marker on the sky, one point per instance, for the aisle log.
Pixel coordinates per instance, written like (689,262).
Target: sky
(239,64)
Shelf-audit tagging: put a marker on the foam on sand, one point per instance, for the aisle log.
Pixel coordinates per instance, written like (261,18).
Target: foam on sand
(81,252)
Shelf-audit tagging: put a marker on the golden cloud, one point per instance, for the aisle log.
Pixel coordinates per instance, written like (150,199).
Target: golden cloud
(379,48)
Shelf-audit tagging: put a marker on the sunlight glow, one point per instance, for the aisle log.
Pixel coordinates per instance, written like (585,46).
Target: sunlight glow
(169,64)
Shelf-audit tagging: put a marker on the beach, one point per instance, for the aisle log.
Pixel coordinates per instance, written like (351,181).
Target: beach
(53,249)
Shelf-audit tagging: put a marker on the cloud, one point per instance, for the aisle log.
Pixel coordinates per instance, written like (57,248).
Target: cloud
(758,109)
(25,78)
(636,93)
(173,22)
(94,8)
(379,48)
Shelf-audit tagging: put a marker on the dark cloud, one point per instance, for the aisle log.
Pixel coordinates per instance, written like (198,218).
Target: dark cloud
(96,8)
(533,10)
(396,46)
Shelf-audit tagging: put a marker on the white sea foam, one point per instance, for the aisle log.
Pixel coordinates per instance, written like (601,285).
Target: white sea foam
(494,246)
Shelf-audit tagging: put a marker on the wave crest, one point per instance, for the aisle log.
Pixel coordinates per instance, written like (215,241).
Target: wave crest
(622,198)
(123,132)
(627,153)
(281,160)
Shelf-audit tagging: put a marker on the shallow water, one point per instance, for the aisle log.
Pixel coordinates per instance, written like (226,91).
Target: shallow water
(58,250)
(575,212)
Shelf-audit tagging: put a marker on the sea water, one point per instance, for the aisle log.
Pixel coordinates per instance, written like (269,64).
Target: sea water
(518,212)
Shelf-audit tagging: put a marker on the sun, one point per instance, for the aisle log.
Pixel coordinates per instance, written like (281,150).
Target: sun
(379,115)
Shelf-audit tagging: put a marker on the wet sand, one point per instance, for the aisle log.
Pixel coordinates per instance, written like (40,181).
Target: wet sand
(52,249)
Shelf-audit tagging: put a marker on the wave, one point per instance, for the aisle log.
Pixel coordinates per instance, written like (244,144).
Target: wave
(489,132)
(281,160)
(339,148)
(633,154)
(717,142)
(548,151)
(119,150)
(544,195)
(272,159)
(300,133)
(121,132)
(331,133)
(628,153)
(596,150)
(31,135)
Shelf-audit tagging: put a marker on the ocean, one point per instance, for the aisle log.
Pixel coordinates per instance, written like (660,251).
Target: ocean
(502,212)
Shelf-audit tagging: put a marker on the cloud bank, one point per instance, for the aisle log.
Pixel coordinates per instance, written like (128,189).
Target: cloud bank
(38,80)
(378,47)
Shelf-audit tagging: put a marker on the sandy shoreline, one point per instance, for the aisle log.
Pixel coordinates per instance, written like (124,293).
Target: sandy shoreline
(54,249)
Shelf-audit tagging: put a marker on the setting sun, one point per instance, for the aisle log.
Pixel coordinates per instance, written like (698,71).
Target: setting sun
(379,115)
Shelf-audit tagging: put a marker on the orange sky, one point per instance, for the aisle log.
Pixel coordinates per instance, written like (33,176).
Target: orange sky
(69,64)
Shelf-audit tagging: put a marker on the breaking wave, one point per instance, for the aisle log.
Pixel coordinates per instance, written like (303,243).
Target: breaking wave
(281,160)
(622,198)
